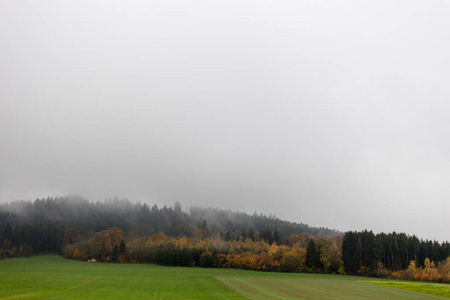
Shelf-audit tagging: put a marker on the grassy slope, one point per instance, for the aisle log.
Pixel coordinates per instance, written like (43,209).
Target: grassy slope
(47,277)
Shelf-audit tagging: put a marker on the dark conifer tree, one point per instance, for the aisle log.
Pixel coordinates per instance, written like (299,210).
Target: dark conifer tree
(312,255)
(351,252)
(369,257)
(115,253)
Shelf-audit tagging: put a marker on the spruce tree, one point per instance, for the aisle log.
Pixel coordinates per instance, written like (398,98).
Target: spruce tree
(312,255)
(115,253)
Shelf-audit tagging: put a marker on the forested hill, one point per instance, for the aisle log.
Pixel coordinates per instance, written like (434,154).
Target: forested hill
(122,231)
(59,213)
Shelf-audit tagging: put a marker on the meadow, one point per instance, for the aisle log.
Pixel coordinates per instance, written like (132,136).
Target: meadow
(52,277)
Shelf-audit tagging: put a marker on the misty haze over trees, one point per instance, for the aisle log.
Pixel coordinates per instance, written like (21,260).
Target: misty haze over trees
(42,223)
(144,220)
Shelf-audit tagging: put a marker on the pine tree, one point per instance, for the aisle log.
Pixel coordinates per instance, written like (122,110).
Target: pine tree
(351,252)
(115,254)
(312,255)
(122,250)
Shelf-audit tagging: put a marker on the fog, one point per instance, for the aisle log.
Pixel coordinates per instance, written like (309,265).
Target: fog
(330,113)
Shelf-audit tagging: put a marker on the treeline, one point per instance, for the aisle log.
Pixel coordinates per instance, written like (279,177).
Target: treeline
(47,225)
(303,253)
(395,254)
(27,239)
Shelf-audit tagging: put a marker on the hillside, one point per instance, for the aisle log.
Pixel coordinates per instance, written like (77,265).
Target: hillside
(42,223)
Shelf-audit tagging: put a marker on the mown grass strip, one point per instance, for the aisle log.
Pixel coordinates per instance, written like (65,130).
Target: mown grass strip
(422,287)
(265,288)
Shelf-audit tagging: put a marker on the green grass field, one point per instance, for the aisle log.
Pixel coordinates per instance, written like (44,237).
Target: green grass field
(52,277)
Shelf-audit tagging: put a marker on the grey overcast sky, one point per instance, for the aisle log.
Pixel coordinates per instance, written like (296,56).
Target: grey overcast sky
(331,113)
